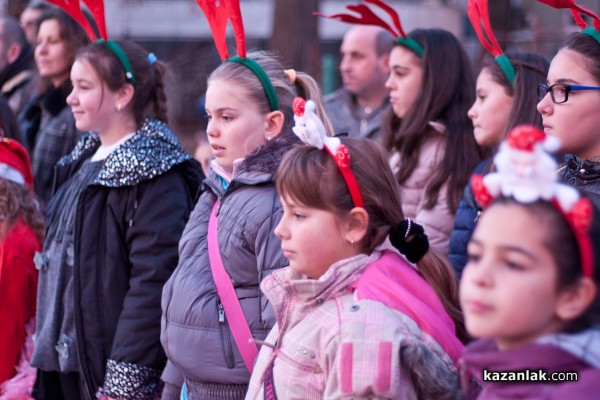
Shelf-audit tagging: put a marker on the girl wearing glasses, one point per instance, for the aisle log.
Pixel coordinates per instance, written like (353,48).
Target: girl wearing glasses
(569,105)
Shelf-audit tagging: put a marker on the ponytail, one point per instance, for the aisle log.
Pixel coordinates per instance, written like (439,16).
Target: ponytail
(440,276)
(308,88)
(410,239)
(158,95)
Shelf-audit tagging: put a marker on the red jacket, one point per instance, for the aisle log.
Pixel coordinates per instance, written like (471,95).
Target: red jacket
(18,288)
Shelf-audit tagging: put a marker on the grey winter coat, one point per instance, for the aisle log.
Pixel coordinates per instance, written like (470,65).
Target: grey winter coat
(346,117)
(194,332)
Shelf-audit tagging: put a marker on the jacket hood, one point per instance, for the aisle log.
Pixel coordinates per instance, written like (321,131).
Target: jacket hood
(267,157)
(150,152)
(584,345)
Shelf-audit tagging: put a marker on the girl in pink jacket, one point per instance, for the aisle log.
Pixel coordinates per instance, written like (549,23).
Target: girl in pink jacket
(353,320)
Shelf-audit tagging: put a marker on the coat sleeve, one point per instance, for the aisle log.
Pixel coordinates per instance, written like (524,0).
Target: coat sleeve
(438,220)
(137,358)
(18,285)
(363,361)
(464,225)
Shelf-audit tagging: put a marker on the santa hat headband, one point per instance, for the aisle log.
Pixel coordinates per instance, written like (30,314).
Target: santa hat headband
(577,11)
(367,17)
(14,163)
(311,130)
(527,173)
(480,19)
(218,13)
(96,7)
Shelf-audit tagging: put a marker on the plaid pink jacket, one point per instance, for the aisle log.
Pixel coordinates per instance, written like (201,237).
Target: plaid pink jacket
(329,345)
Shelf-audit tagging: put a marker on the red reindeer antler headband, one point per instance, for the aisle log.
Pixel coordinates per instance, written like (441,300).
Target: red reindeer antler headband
(96,7)
(577,10)
(368,17)
(310,129)
(480,19)
(526,172)
(218,12)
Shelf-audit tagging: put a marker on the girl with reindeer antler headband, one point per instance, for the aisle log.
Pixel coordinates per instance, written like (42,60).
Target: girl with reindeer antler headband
(212,305)
(429,134)
(506,96)
(122,199)
(570,99)
(530,291)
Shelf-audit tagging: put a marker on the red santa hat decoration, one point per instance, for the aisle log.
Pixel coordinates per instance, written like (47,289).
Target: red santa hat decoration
(527,173)
(14,163)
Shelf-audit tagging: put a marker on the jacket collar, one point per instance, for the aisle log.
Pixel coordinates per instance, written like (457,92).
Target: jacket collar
(150,152)
(484,355)
(285,283)
(584,170)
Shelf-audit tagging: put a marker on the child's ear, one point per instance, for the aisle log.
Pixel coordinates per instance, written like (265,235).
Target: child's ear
(573,302)
(357,224)
(125,94)
(274,124)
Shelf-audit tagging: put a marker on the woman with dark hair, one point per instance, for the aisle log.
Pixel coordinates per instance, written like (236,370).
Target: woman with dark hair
(46,122)
(500,105)
(428,134)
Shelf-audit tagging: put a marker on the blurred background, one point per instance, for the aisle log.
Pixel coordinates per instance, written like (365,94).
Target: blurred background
(177,32)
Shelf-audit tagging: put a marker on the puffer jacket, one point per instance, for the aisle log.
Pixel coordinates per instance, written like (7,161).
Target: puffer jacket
(584,175)
(195,332)
(439,220)
(330,345)
(127,226)
(465,220)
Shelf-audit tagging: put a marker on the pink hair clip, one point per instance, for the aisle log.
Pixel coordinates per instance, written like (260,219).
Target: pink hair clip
(527,173)
(310,129)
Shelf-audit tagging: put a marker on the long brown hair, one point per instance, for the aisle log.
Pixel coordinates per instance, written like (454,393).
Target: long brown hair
(530,70)
(310,177)
(16,202)
(447,93)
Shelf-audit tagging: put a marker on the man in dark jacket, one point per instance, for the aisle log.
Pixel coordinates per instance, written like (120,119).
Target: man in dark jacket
(16,64)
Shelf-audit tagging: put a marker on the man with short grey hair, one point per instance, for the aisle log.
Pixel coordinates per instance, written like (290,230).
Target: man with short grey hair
(358,107)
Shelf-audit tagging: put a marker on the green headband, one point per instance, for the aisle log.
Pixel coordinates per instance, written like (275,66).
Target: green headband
(507,68)
(262,77)
(412,45)
(593,32)
(121,56)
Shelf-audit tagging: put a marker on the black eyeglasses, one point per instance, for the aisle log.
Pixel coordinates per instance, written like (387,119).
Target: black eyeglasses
(559,92)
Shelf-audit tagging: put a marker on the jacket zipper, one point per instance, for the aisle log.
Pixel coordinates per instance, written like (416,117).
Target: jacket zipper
(226,338)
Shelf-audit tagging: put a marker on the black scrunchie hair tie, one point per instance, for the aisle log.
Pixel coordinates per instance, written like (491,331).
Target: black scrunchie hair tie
(410,239)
